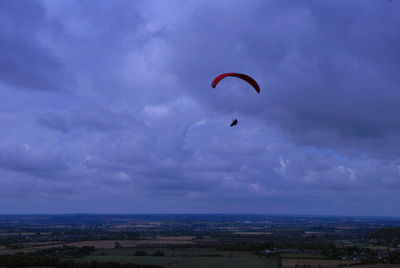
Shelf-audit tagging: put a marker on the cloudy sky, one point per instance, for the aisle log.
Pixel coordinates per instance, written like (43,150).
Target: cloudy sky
(106,107)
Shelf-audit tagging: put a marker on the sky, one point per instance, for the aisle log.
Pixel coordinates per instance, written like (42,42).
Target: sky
(107,107)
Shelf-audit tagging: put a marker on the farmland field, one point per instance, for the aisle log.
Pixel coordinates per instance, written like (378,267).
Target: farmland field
(252,233)
(314,263)
(102,244)
(302,256)
(378,266)
(183,258)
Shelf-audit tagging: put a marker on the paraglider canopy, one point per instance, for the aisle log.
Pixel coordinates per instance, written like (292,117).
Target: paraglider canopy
(244,77)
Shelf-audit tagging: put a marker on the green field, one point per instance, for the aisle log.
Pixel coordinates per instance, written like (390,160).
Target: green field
(302,256)
(184,258)
(179,252)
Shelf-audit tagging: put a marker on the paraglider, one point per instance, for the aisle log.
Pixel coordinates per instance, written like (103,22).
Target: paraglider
(244,77)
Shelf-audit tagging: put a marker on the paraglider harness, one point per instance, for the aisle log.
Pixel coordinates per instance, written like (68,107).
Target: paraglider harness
(234,123)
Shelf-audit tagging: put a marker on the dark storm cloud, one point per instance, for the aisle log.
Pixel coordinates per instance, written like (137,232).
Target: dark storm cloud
(141,130)
(25,62)
(324,67)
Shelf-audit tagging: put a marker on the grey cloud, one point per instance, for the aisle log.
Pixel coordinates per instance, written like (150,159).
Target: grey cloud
(95,118)
(34,161)
(142,126)
(314,62)
(26,62)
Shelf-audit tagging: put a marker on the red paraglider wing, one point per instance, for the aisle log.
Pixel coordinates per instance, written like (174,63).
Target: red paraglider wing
(245,77)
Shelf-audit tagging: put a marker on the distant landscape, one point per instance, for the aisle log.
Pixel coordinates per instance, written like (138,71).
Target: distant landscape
(185,240)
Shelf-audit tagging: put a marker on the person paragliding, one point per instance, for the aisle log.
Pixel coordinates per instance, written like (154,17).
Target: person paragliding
(244,77)
(234,123)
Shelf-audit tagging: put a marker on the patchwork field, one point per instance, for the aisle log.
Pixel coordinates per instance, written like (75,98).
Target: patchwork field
(184,258)
(176,238)
(107,244)
(315,263)
(302,256)
(252,233)
(378,266)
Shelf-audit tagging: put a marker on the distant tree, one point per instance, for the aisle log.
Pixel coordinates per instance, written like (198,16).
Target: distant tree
(14,247)
(279,260)
(387,234)
(159,253)
(117,245)
(140,253)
